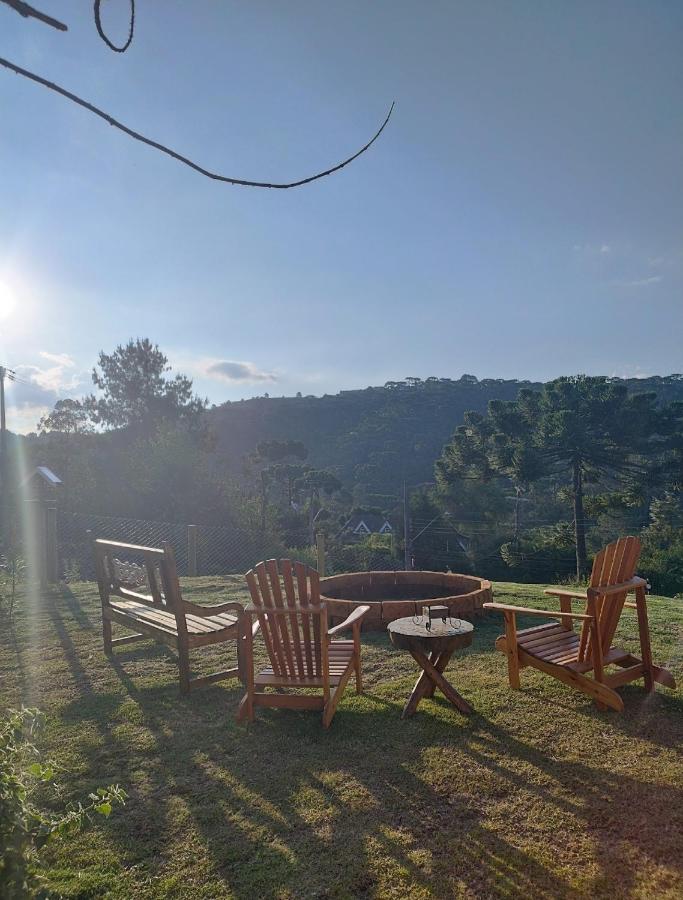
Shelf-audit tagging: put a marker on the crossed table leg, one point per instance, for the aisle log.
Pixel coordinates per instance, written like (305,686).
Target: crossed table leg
(432,668)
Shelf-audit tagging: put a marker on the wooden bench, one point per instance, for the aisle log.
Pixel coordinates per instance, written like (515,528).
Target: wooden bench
(139,589)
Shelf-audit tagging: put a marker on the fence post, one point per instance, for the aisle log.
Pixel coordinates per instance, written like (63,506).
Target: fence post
(51,556)
(192,551)
(320,546)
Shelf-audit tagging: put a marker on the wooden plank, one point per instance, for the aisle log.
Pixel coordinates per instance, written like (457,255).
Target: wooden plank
(644,634)
(663,676)
(446,689)
(596,641)
(511,650)
(597,691)
(296,628)
(331,706)
(312,665)
(125,618)
(539,630)
(288,701)
(558,637)
(281,621)
(528,610)
(118,545)
(246,656)
(285,681)
(254,590)
(630,673)
(215,676)
(615,656)
(278,659)
(566,606)
(562,659)
(569,650)
(129,639)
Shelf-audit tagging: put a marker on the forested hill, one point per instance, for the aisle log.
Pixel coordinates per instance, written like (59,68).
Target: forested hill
(379,436)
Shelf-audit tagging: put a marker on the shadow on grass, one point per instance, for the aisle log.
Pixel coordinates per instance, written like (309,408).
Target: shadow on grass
(283,807)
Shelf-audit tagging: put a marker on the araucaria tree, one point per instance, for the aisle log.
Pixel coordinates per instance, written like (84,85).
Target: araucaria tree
(587,430)
(136,391)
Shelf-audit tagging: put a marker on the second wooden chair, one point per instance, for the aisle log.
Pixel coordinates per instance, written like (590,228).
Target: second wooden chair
(286,603)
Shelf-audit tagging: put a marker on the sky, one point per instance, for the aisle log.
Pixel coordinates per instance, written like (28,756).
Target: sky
(521,216)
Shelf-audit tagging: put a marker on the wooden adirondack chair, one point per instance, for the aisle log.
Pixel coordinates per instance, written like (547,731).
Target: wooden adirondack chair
(569,656)
(297,639)
(145,597)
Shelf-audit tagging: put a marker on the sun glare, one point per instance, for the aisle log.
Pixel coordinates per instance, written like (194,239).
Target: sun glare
(8,301)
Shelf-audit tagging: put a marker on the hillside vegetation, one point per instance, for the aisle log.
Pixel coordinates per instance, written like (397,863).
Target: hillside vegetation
(379,436)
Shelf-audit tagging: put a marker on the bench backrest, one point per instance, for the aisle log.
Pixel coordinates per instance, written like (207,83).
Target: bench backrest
(147,575)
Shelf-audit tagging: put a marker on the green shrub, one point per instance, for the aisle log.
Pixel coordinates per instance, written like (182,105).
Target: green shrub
(12,572)
(25,825)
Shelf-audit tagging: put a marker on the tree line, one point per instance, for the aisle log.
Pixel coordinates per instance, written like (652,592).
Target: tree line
(526,488)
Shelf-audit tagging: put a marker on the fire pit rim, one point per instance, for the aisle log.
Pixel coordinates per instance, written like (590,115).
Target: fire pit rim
(384,609)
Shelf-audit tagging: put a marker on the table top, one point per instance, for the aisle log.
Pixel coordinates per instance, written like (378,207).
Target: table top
(412,631)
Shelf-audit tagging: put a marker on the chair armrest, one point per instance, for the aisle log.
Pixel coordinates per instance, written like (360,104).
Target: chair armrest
(526,611)
(558,592)
(205,611)
(355,618)
(284,610)
(627,586)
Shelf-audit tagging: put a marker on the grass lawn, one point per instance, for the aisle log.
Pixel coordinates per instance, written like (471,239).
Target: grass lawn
(537,795)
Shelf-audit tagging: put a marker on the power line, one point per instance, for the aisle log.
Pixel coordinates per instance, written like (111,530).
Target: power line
(214,176)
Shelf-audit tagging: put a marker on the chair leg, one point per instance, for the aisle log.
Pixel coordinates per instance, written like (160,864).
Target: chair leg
(246,708)
(356,651)
(644,634)
(511,650)
(184,669)
(331,705)
(245,653)
(106,636)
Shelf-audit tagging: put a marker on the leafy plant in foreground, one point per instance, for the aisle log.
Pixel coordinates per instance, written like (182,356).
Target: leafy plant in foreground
(12,570)
(25,825)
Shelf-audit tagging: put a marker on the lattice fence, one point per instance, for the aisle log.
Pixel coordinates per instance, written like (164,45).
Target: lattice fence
(199,549)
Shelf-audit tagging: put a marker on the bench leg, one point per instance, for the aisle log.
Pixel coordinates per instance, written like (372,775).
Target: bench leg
(106,636)
(184,669)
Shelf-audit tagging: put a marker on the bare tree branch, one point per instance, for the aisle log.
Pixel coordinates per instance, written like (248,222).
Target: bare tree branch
(100,29)
(28,12)
(172,153)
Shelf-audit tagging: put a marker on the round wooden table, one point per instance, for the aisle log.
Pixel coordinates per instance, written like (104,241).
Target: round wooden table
(431,649)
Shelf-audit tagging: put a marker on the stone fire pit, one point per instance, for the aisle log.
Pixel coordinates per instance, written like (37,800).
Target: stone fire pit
(393,595)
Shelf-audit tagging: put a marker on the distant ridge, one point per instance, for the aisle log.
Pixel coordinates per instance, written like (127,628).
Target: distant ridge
(374,438)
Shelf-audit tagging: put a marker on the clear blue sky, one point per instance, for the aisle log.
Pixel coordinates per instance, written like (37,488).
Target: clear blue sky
(521,216)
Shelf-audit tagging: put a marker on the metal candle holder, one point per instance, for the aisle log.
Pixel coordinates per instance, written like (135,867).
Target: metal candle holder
(434,612)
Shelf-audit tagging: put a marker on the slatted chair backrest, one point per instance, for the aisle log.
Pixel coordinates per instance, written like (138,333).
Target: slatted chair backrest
(614,564)
(293,640)
(116,576)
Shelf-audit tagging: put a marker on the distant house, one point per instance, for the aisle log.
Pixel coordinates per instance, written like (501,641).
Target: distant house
(363,524)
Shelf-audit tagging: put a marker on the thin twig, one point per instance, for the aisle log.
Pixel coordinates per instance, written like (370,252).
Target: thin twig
(100,29)
(183,159)
(28,12)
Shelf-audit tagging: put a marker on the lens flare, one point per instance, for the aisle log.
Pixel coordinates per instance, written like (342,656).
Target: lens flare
(8,301)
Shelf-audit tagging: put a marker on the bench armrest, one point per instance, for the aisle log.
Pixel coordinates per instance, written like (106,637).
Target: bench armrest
(206,611)
(354,619)
(526,611)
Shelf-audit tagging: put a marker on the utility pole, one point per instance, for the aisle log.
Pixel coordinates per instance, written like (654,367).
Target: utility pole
(3,422)
(9,375)
(3,456)
(518,500)
(407,562)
